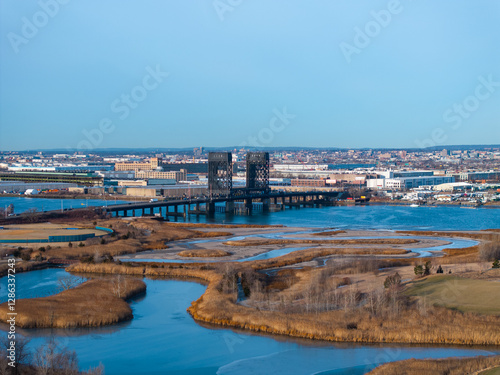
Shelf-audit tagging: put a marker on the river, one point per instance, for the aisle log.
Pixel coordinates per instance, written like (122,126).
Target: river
(22,204)
(351,217)
(163,338)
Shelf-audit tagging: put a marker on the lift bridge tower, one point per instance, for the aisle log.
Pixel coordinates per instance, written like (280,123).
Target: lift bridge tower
(257,179)
(220,173)
(258,171)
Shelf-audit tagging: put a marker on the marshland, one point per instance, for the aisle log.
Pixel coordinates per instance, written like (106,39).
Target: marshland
(351,287)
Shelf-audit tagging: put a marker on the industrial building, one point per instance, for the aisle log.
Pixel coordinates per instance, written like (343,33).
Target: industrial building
(171,175)
(308,182)
(405,183)
(167,191)
(21,187)
(87,179)
(149,165)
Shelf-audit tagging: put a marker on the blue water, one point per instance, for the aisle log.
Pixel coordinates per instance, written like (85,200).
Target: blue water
(453,243)
(22,204)
(162,338)
(40,283)
(350,217)
(374,217)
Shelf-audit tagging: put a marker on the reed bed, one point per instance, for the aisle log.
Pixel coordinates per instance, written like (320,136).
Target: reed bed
(307,255)
(94,303)
(215,306)
(449,366)
(204,253)
(361,241)
(329,233)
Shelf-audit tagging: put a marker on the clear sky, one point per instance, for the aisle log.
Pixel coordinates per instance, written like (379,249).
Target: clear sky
(174,73)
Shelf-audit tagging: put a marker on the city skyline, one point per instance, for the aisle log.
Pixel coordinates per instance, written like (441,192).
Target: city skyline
(388,74)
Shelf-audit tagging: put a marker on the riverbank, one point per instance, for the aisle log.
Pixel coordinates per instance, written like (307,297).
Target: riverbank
(450,366)
(407,324)
(94,303)
(354,297)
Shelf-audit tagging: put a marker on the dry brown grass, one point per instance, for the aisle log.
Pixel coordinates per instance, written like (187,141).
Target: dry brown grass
(22,266)
(361,241)
(329,233)
(434,326)
(449,366)
(93,303)
(130,237)
(203,253)
(307,255)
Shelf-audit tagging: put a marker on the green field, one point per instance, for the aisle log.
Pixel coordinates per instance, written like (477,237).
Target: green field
(465,295)
(493,371)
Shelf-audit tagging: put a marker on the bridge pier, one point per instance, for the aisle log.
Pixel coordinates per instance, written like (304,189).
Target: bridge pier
(265,204)
(210,208)
(229,207)
(249,206)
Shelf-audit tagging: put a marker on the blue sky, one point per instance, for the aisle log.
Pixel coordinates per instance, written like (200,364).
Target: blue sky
(234,72)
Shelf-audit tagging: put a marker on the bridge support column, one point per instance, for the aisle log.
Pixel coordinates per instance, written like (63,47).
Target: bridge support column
(249,206)
(265,204)
(176,209)
(210,208)
(229,207)
(124,213)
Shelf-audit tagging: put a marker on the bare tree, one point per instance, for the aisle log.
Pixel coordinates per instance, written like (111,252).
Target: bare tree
(99,370)
(67,282)
(31,214)
(23,354)
(119,285)
(50,358)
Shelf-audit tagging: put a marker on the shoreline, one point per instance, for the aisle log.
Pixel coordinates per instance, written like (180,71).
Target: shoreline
(226,305)
(220,306)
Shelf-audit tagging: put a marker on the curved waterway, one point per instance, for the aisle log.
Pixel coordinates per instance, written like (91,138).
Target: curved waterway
(163,338)
(451,243)
(42,283)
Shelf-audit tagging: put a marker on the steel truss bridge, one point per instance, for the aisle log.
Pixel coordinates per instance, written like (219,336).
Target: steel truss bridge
(247,199)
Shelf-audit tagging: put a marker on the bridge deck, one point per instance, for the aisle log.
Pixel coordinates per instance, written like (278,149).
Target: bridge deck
(231,198)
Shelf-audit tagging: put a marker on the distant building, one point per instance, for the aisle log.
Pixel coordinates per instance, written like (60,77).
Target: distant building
(189,167)
(150,165)
(308,182)
(175,175)
(405,183)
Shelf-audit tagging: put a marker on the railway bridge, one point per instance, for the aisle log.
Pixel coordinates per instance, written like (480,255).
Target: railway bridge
(240,200)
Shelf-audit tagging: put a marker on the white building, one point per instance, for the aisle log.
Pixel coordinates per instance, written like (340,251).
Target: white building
(406,183)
